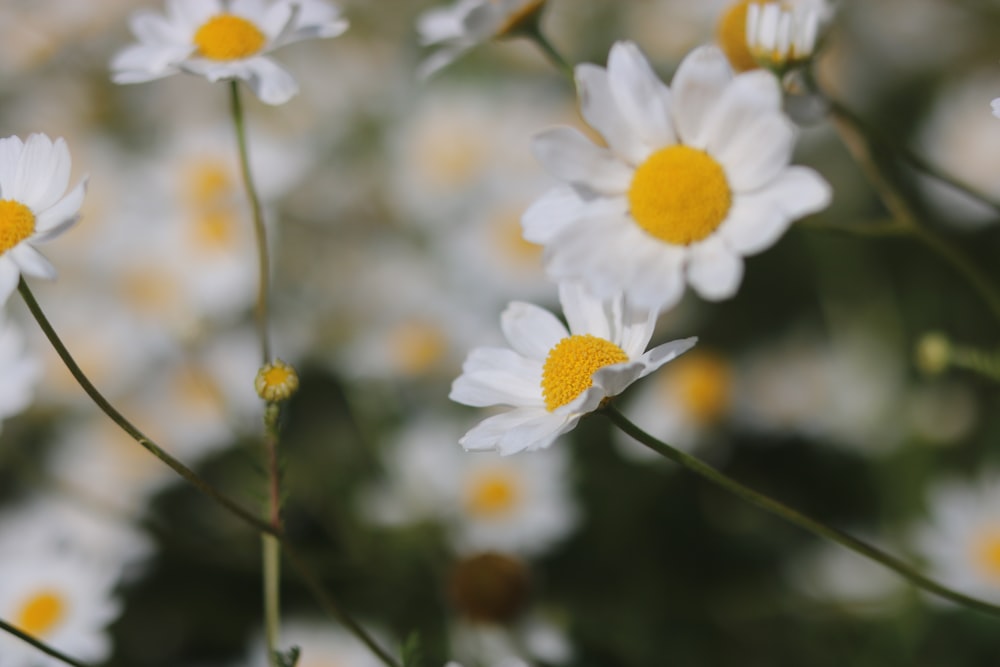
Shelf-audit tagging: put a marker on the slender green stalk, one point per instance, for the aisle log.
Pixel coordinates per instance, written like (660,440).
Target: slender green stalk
(793,516)
(127,426)
(191,477)
(263,260)
(271,549)
(41,646)
(534,32)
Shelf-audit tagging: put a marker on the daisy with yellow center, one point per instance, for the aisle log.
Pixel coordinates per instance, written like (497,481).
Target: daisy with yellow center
(961,538)
(468,23)
(554,375)
(34,205)
(693,178)
(780,37)
(221,40)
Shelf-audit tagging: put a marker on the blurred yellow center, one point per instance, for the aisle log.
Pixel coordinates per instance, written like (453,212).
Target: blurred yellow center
(40,613)
(228,37)
(987,553)
(703,382)
(17,223)
(208,182)
(731,32)
(492,492)
(215,230)
(416,346)
(571,363)
(508,238)
(679,195)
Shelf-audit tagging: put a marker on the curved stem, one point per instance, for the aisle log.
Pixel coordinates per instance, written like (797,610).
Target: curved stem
(191,477)
(793,516)
(41,646)
(263,259)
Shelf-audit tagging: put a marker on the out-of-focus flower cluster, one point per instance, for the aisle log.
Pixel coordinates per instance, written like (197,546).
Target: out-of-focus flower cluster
(407,214)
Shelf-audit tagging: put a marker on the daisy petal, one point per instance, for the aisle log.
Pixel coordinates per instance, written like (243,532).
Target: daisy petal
(800,191)
(714,270)
(530,330)
(667,352)
(517,430)
(495,376)
(746,98)
(31,262)
(585,313)
(697,85)
(9,276)
(759,153)
(597,105)
(569,156)
(56,219)
(10,151)
(270,82)
(643,100)
(756,222)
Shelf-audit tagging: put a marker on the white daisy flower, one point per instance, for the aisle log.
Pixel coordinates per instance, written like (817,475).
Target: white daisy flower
(63,600)
(224,40)
(961,537)
(468,23)
(780,36)
(552,376)
(694,178)
(34,206)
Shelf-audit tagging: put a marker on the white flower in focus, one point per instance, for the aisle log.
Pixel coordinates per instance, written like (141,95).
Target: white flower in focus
(60,599)
(551,376)
(780,36)
(34,205)
(468,23)
(961,537)
(20,372)
(224,40)
(694,178)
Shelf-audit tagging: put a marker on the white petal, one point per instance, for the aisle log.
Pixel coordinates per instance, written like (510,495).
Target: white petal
(657,279)
(532,331)
(517,430)
(638,324)
(614,379)
(270,82)
(495,376)
(596,250)
(568,155)
(800,191)
(598,107)
(38,165)
(140,63)
(662,354)
(697,85)
(585,313)
(714,270)
(643,100)
(58,218)
(551,213)
(755,223)
(745,99)
(759,152)
(10,153)
(9,276)
(31,262)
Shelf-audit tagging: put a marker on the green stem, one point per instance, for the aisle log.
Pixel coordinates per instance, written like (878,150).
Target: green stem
(234,508)
(271,549)
(41,646)
(794,516)
(263,259)
(533,31)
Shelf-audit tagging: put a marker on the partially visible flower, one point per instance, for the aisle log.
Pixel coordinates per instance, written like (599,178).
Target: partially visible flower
(224,40)
(693,179)
(468,23)
(20,372)
(995,105)
(34,205)
(961,537)
(552,376)
(319,643)
(780,37)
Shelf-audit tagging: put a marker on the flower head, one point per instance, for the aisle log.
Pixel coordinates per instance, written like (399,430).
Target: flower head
(694,177)
(553,376)
(34,205)
(781,37)
(224,40)
(468,23)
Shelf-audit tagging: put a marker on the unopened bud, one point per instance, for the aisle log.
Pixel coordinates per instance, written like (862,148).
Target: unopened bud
(276,381)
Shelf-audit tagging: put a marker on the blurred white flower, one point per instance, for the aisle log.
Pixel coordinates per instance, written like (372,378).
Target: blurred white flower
(320,642)
(20,371)
(34,205)
(551,376)
(468,23)
(693,179)
(224,40)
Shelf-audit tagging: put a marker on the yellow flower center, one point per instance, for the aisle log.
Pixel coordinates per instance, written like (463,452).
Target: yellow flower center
(731,33)
(569,368)
(679,195)
(276,381)
(492,493)
(416,347)
(986,552)
(228,37)
(17,223)
(40,613)
(703,381)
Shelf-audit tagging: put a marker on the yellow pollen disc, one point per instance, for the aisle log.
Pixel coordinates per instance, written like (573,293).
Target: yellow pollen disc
(17,223)
(731,33)
(571,363)
(276,381)
(228,37)
(492,493)
(40,613)
(986,552)
(679,195)
(702,381)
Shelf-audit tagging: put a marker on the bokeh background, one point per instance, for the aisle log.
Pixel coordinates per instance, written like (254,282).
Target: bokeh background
(394,206)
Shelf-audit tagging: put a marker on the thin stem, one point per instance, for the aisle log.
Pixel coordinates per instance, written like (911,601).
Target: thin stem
(536,35)
(263,259)
(271,549)
(41,646)
(234,508)
(127,426)
(793,516)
